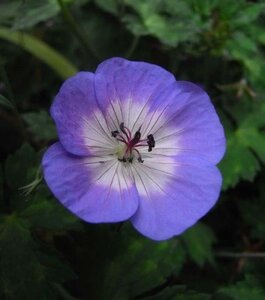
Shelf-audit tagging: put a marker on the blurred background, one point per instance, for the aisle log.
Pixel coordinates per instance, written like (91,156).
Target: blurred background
(45,252)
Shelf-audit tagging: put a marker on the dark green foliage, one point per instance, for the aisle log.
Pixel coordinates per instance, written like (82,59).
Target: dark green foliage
(40,125)
(198,242)
(48,214)
(245,147)
(23,270)
(46,252)
(249,289)
(21,166)
(147,263)
(6,103)
(179,293)
(32,12)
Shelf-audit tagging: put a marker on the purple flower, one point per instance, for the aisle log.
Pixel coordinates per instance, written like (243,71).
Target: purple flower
(135,144)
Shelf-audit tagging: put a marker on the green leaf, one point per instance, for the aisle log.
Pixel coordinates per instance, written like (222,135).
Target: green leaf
(20,272)
(179,293)
(40,125)
(239,161)
(248,14)
(48,214)
(8,11)
(31,12)
(170,22)
(249,289)
(244,49)
(6,103)
(100,34)
(111,6)
(149,265)
(21,167)
(134,24)
(56,270)
(44,52)
(198,241)
(23,271)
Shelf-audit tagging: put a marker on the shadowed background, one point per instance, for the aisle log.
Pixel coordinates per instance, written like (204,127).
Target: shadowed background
(47,253)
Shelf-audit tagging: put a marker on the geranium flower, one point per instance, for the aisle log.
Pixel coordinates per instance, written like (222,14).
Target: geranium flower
(135,144)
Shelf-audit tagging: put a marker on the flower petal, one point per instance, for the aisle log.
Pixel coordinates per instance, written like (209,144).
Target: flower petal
(174,194)
(124,89)
(94,189)
(81,126)
(183,120)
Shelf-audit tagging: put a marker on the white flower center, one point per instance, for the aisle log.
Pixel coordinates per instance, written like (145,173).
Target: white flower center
(131,145)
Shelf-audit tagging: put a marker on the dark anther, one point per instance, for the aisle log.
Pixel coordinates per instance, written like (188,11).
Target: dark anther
(140,159)
(122,159)
(122,128)
(130,160)
(136,138)
(150,142)
(114,133)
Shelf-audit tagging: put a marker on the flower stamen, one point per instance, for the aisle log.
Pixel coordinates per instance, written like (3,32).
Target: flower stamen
(150,142)
(125,136)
